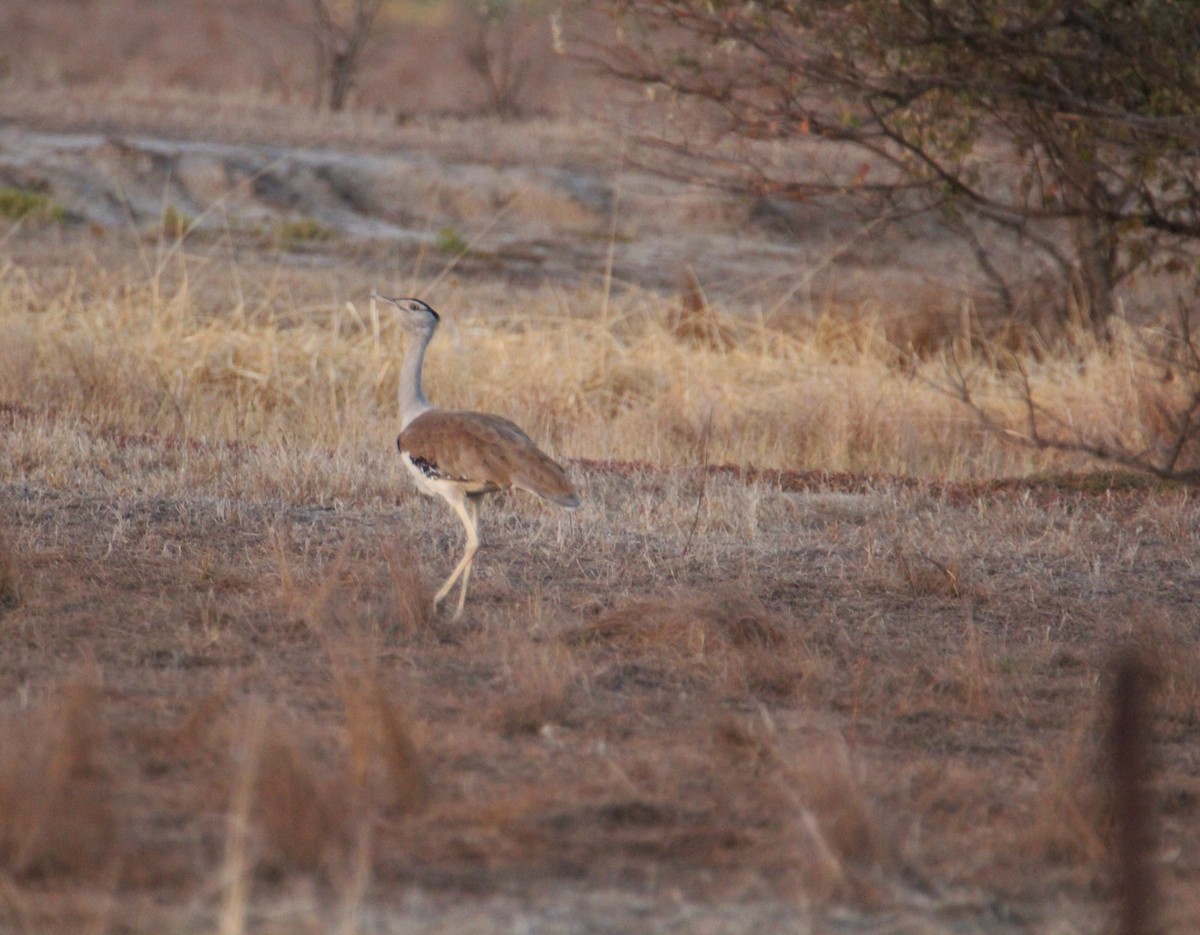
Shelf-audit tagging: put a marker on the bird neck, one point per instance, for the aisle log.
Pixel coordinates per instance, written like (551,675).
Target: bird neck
(412,396)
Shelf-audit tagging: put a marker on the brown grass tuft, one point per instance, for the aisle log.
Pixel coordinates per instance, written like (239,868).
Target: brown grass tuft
(728,637)
(300,819)
(843,847)
(969,678)
(57,794)
(1067,825)
(303,804)
(691,625)
(410,600)
(694,320)
(926,576)
(1172,653)
(541,679)
(384,770)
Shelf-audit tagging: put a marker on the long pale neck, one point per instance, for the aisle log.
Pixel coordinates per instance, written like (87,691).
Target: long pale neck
(412,396)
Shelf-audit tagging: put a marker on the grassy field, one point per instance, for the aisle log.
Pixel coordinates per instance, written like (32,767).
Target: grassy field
(807,658)
(189,342)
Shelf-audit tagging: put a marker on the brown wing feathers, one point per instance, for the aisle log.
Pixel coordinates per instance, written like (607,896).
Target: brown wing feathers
(484,452)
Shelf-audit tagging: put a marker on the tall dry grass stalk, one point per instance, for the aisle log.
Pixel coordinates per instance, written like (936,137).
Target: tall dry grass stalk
(292,807)
(841,842)
(198,349)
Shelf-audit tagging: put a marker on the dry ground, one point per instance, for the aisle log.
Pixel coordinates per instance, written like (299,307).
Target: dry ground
(236,709)
(734,699)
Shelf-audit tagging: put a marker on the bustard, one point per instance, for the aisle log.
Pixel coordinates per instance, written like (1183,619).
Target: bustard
(463,456)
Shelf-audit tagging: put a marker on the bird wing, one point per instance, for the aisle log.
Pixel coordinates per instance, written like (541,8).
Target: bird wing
(484,452)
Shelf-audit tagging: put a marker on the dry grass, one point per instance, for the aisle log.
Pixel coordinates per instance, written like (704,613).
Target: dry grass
(216,354)
(58,786)
(781,713)
(743,695)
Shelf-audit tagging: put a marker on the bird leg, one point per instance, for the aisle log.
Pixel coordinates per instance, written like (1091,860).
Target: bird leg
(468,513)
(473,509)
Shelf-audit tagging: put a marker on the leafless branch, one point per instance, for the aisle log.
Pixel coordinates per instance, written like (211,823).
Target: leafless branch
(1047,429)
(1101,136)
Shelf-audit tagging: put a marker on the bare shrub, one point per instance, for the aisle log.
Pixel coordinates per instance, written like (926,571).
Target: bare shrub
(1156,389)
(504,46)
(341,30)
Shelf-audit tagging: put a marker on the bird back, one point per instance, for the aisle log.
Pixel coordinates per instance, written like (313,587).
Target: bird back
(484,452)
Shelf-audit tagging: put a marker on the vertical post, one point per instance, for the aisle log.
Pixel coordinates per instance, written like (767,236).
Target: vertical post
(1133,818)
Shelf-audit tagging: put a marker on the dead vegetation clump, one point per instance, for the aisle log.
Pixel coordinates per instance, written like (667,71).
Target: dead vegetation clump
(695,320)
(1170,653)
(692,626)
(845,852)
(410,602)
(1077,813)
(385,772)
(838,843)
(1066,821)
(544,679)
(297,810)
(59,792)
(968,678)
(298,799)
(731,637)
(927,576)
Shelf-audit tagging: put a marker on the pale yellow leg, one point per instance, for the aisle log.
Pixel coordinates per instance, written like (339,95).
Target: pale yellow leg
(463,568)
(473,509)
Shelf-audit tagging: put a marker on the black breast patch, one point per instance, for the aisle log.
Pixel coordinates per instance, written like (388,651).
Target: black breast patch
(428,468)
(424,465)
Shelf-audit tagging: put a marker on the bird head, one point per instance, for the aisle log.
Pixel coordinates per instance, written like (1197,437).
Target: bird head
(415,316)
